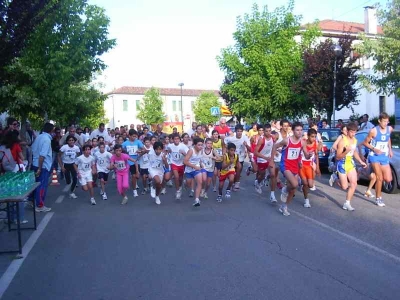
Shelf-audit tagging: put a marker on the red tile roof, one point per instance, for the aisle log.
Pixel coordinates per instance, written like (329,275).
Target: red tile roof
(136,90)
(342,26)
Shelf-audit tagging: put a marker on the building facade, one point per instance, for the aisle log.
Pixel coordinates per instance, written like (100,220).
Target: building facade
(122,106)
(371,103)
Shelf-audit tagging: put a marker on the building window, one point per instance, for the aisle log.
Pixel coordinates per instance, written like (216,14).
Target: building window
(382,104)
(173,105)
(125,105)
(137,105)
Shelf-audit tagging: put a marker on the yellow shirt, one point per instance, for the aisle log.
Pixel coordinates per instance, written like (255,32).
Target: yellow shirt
(232,166)
(252,133)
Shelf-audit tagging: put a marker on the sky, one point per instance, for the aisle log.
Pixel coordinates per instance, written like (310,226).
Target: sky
(164,42)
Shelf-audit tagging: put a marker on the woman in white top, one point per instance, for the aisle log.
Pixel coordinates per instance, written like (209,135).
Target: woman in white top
(66,159)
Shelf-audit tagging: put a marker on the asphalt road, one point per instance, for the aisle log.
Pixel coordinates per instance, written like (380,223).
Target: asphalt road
(242,248)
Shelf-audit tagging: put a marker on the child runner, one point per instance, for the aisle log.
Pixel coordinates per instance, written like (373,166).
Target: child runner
(345,166)
(309,166)
(103,161)
(85,166)
(177,152)
(66,159)
(289,166)
(193,168)
(208,160)
(219,148)
(230,163)
(378,141)
(144,164)
(132,147)
(263,153)
(119,162)
(253,142)
(157,163)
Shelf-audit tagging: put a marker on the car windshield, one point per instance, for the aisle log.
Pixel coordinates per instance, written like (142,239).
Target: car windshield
(395,137)
(329,135)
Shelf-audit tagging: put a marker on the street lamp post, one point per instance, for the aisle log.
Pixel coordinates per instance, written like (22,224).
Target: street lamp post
(181,85)
(337,50)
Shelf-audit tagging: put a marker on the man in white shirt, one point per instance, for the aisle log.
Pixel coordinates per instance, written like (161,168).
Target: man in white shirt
(101,131)
(366,125)
(242,144)
(72,131)
(192,130)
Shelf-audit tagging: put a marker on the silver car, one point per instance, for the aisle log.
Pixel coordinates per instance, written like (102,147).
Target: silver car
(394,186)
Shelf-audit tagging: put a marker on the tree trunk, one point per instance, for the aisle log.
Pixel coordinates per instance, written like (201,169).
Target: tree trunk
(329,115)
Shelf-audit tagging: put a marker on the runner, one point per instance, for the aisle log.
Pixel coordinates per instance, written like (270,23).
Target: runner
(229,165)
(274,168)
(309,166)
(289,165)
(103,161)
(66,160)
(85,167)
(253,142)
(219,148)
(379,143)
(133,147)
(177,151)
(332,156)
(345,166)
(157,164)
(242,144)
(263,152)
(119,162)
(193,168)
(208,160)
(144,162)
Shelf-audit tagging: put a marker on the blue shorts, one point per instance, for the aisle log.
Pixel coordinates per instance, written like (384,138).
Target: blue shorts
(192,174)
(218,165)
(167,170)
(209,174)
(383,160)
(344,167)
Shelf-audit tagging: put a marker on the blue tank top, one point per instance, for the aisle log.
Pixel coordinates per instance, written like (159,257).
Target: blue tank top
(381,142)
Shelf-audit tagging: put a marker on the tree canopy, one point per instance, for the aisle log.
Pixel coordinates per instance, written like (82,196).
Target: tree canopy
(151,108)
(264,64)
(202,108)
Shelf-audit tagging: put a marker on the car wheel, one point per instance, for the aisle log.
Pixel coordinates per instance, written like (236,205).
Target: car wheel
(393,187)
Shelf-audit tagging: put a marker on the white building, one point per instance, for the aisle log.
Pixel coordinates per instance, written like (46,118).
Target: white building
(369,102)
(121,106)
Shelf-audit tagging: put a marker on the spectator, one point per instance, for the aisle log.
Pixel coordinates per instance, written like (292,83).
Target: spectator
(253,131)
(318,121)
(365,124)
(223,129)
(101,131)
(55,147)
(41,165)
(325,124)
(159,133)
(86,134)
(339,124)
(139,129)
(192,130)
(72,131)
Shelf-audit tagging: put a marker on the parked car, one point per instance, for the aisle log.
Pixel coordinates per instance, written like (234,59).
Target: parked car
(328,137)
(394,186)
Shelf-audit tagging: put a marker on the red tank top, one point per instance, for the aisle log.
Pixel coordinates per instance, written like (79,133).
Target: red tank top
(311,149)
(291,156)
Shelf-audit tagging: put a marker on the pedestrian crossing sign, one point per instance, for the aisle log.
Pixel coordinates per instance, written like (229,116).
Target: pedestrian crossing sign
(215,111)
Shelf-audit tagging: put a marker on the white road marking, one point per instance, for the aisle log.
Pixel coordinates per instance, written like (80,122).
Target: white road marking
(13,268)
(349,237)
(65,189)
(60,199)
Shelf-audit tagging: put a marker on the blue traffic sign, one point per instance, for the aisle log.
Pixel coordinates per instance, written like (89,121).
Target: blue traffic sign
(215,111)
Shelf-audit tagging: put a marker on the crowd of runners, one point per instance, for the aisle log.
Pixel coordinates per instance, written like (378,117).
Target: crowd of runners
(280,155)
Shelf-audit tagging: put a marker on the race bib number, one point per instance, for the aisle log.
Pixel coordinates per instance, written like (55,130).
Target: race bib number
(208,162)
(293,153)
(156,164)
(218,151)
(145,158)
(101,162)
(71,155)
(131,150)
(382,146)
(176,156)
(121,165)
(86,167)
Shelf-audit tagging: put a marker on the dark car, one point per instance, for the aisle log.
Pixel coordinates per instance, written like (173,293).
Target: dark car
(394,186)
(328,138)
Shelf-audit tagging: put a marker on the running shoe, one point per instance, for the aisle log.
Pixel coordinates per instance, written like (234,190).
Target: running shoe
(272,198)
(347,206)
(332,179)
(219,198)
(307,203)
(380,202)
(92,201)
(178,194)
(369,194)
(258,188)
(313,188)
(73,196)
(158,201)
(284,194)
(228,194)
(283,209)
(196,202)
(135,194)
(191,193)
(104,196)
(124,200)
(248,171)
(163,191)
(215,189)
(43,209)
(152,192)
(202,193)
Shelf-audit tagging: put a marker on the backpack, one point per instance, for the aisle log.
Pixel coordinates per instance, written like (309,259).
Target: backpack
(7,162)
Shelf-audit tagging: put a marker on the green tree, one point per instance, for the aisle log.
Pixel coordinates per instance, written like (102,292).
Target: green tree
(385,51)
(151,108)
(202,108)
(316,82)
(265,63)
(51,77)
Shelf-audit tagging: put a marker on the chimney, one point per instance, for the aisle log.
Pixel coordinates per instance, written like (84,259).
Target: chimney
(370,20)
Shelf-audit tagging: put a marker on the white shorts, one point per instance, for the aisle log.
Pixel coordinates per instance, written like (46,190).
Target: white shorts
(85,178)
(156,172)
